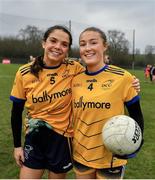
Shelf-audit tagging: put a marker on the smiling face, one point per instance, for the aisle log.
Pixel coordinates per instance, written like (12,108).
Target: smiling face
(92,49)
(56,47)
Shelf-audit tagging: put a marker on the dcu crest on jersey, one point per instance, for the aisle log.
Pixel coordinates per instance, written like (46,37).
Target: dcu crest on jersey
(107,84)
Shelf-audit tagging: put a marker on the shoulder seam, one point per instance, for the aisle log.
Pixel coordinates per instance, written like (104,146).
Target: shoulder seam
(25,70)
(116,70)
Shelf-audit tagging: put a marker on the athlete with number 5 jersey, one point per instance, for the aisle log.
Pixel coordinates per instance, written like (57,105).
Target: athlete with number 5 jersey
(98,94)
(44,88)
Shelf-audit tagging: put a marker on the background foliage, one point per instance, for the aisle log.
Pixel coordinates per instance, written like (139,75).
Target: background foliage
(28,42)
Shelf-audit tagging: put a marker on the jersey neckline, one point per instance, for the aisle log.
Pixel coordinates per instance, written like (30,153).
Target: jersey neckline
(51,67)
(97,72)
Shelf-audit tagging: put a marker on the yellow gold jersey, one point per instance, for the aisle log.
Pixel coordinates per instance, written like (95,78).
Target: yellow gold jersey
(49,96)
(95,98)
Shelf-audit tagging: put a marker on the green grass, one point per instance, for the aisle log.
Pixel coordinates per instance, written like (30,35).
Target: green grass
(8,167)
(142,167)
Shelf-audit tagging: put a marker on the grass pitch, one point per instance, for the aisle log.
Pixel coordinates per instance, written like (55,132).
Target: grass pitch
(141,167)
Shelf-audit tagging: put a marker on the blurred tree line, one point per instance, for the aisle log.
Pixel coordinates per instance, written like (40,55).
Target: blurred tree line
(28,42)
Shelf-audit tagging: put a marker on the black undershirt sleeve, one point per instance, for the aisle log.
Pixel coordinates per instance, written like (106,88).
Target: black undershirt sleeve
(16,122)
(135,112)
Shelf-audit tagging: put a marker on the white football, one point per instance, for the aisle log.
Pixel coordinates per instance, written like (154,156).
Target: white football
(121,135)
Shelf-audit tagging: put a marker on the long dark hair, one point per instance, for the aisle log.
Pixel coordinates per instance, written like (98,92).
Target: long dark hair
(38,63)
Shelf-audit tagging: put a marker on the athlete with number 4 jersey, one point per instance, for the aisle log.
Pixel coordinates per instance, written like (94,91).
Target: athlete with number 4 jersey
(98,94)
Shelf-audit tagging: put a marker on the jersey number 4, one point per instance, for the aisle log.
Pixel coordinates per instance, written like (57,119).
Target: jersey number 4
(90,87)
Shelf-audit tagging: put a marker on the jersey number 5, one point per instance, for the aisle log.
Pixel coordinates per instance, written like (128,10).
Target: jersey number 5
(52,80)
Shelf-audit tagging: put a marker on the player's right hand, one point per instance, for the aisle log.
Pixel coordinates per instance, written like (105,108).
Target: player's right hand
(19,156)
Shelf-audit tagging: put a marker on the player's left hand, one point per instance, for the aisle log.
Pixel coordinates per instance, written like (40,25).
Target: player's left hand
(128,156)
(132,155)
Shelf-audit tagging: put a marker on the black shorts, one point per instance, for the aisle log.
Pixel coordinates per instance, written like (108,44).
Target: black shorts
(46,149)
